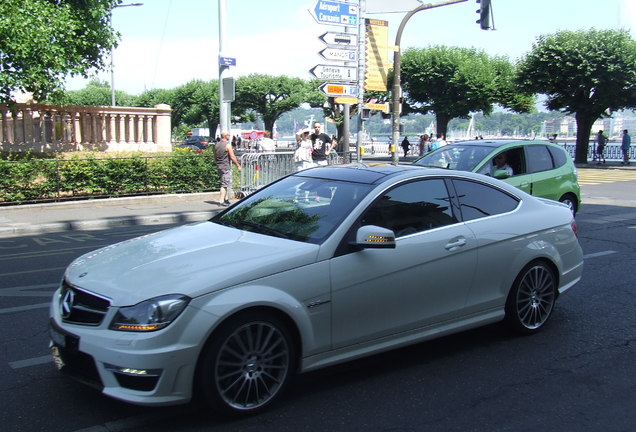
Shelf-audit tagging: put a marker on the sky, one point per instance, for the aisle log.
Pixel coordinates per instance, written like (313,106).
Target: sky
(166,43)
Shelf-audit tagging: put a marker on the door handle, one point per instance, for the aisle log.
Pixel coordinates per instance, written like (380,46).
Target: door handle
(455,244)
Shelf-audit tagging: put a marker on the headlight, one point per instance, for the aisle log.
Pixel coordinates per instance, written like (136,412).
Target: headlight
(150,315)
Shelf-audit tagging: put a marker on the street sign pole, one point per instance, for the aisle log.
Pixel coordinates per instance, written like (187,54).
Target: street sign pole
(397,86)
(361,72)
(224,107)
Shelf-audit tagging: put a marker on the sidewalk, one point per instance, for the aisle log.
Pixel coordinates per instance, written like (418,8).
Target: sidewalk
(143,210)
(105,213)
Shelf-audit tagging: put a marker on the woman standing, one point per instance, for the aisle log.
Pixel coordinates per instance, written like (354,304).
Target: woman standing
(302,155)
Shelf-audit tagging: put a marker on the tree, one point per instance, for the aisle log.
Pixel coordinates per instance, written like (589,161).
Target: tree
(271,96)
(586,73)
(453,82)
(43,41)
(96,93)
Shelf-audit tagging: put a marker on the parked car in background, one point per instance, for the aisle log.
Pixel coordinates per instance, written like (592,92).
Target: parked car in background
(195,142)
(539,168)
(322,266)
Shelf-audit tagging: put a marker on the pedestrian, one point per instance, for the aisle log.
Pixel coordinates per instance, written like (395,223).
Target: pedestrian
(424,143)
(267,143)
(600,149)
(224,156)
(321,144)
(405,146)
(302,155)
(441,140)
(601,140)
(625,144)
(434,144)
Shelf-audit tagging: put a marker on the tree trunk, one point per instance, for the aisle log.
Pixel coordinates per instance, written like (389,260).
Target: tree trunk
(269,125)
(212,125)
(442,121)
(584,124)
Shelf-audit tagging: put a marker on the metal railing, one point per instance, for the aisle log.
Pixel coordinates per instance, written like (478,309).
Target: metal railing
(260,169)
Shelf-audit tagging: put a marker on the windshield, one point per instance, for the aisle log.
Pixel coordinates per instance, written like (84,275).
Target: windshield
(297,208)
(456,156)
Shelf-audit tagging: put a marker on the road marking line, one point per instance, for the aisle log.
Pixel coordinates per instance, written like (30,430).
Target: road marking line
(35,361)
(598,254)
(24,308)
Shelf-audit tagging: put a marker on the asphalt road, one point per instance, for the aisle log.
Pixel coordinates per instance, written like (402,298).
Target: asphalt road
(578,374)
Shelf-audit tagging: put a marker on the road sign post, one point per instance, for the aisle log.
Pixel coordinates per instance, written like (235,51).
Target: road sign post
(335,13)
(334,72)
(349,40)
(336,90)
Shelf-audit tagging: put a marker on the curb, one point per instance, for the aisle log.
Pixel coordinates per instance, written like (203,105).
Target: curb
(96,224)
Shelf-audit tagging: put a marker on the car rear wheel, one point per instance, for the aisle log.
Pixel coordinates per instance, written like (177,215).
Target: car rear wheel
(531,299)
(570,201)
(246,364)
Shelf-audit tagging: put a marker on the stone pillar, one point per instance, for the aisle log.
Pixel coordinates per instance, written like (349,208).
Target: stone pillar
(122,129)
(163,129)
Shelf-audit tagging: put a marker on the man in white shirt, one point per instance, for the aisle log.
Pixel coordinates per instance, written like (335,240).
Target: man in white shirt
(267,143)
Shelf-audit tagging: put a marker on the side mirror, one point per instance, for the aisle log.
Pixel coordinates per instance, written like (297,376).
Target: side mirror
(375,237)
(500,174)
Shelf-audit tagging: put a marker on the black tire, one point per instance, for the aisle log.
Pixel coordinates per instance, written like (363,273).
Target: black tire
(531,299)
(571,202)
(246,364)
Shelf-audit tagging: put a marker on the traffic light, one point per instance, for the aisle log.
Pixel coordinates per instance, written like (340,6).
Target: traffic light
(484,14)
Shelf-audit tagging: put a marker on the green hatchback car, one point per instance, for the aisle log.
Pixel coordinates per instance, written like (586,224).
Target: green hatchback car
(539,168)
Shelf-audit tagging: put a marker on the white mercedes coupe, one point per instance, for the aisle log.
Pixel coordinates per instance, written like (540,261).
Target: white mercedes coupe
(320,267)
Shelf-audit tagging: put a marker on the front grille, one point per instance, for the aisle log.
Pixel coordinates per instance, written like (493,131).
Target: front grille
(82,307)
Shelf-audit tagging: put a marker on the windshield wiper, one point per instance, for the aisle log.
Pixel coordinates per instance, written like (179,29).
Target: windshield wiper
(262,229)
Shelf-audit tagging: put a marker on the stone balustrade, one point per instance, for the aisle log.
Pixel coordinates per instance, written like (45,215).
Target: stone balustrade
(53,128)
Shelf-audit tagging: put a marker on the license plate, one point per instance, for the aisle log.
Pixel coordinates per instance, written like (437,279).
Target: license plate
(57,337)
(58,361)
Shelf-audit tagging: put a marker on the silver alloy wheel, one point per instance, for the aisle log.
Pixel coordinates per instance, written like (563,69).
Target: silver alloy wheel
(252,365)
(535,297)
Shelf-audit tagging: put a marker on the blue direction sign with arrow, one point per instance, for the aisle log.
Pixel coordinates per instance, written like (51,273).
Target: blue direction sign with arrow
(335,13)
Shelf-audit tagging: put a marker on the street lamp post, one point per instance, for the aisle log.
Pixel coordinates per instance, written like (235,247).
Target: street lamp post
(397,85)
(112,61)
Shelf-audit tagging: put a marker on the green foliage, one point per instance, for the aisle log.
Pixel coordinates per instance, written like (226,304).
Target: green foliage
(98,93)
(41,41)
(272,96)
(586,73)
(28,179)
(453,82)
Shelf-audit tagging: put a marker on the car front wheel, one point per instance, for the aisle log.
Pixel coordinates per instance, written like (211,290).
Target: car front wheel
(246,364)
(531,299)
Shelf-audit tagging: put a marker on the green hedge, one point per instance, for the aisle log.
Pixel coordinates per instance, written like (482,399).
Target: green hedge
(27,179)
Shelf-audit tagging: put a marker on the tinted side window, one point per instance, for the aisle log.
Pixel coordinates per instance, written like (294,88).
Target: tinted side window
(539,158)
(558,155)
(412,207)
(478,200)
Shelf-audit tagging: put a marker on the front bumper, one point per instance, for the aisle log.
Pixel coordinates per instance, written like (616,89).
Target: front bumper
(155,368)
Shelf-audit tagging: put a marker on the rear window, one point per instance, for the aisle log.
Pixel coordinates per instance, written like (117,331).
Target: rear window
(478,200)
(558,155)
(538,158)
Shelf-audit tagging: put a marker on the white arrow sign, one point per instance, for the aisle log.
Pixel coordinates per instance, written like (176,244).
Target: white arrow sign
(335,54)
(339,39)
(331,72)
(331,89)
